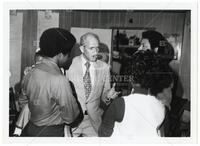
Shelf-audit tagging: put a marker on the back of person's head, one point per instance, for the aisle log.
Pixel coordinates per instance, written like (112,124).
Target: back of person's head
(157,40)
(56,40)
(163,77)
(147,71)
(142,63)
(86,35)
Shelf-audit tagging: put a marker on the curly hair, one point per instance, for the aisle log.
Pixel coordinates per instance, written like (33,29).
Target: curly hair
(56,40)
(166,53)
(162,78)
(157,40)
(147,71)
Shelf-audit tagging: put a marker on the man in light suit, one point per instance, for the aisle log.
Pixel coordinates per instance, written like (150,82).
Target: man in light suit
(91,79)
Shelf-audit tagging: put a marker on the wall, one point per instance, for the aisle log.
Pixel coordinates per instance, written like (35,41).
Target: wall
(185,68)
(163,21)
(34,24)
(45,21)
(16,20)
(26,27)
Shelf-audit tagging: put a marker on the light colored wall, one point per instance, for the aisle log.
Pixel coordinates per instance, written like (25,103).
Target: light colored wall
(15,47)
(21,45)
(45,23)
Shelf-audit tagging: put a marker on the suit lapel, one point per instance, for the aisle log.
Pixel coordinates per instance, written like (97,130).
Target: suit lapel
(79,68)
(78,77)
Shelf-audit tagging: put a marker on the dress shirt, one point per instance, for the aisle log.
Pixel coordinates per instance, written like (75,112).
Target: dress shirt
(49,95)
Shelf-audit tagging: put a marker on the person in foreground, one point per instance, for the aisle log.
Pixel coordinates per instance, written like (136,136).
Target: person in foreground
(141,113)
(48,92)
(91,79)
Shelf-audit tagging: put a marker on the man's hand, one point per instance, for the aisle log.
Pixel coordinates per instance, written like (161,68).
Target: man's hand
(112,94)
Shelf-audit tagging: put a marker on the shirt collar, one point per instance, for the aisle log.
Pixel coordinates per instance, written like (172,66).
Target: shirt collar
(51,63)
(84,61)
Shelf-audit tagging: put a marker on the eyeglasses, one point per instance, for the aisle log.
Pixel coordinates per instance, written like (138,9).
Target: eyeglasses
(92,48)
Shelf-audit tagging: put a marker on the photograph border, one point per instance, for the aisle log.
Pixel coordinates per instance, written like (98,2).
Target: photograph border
(101,5)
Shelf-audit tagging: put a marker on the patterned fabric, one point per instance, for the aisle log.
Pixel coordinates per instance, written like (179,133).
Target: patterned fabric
(87,80)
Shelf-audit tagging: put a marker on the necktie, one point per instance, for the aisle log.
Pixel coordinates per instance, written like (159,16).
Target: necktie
(87,80)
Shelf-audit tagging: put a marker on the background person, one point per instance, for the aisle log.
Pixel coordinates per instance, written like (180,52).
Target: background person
(156,42)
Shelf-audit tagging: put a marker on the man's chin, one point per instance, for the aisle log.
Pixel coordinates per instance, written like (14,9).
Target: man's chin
(94,59)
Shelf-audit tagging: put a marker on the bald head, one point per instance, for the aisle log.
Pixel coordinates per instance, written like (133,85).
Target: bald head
(89,46)
(88,36)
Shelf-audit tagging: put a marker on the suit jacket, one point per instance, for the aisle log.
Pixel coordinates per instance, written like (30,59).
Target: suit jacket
(99,90)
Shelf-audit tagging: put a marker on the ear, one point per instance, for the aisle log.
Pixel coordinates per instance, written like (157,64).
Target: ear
(156,50)
(82,49)
(140,48)
(60,55)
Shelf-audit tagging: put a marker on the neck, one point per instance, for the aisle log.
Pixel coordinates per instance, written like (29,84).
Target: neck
(138,89)
(54,60)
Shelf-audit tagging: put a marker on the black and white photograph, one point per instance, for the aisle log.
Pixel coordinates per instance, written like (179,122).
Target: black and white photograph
(119,74)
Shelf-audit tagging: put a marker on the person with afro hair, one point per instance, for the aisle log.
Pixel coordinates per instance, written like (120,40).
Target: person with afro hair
(156,42)
(141,113)
(47,91)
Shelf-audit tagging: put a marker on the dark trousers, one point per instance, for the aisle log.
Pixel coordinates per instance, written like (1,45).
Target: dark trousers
(32,130)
